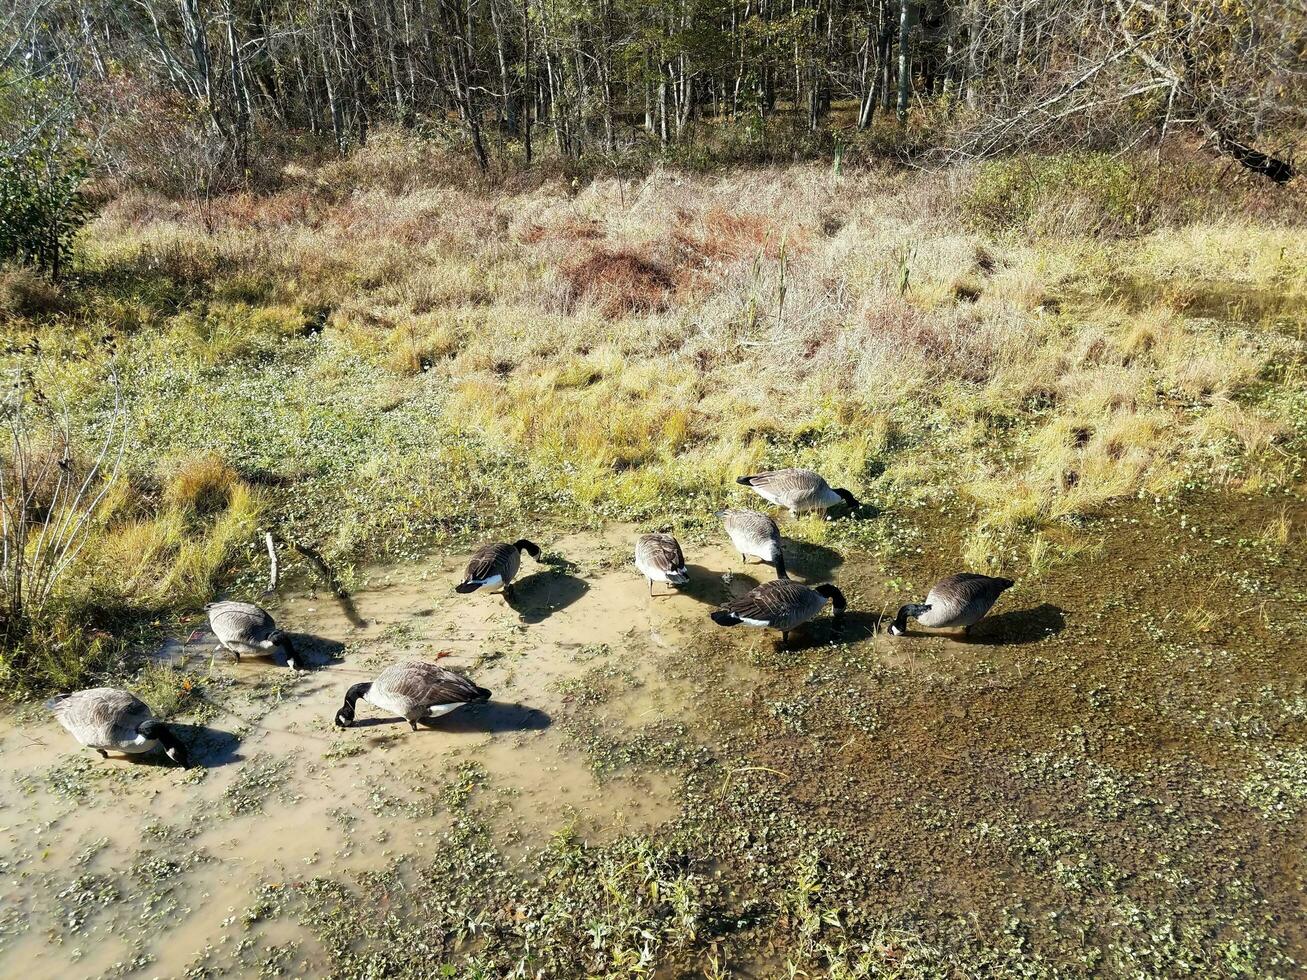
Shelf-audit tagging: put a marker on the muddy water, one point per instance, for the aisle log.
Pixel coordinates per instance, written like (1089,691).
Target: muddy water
(136,868)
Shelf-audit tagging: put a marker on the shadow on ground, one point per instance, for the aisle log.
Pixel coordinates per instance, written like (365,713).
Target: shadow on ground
(850,627)
(316,651)
(211,748)
(540,595)
(489,718)
(1019,626)
(811,562)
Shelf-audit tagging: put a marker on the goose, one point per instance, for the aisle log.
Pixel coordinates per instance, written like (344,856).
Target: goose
(495,565)
(755,534)
(107,719)
(798,490)
(414,690)
(959,600)
(243,627)
(659,559)
(780,605)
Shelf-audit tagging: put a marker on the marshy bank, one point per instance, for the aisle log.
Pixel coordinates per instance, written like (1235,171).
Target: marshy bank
(1109,778)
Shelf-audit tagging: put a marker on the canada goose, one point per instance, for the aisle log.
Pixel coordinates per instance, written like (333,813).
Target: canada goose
(107,719)
(959,600)
(659,559)
(414,690)
(243,627)
(798,490)
(779,605)
(495,565)
(754,533)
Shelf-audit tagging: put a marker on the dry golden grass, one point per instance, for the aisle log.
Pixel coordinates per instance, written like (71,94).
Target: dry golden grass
(645,340)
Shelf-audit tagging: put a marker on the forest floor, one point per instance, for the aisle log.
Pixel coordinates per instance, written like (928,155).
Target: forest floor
(1073,374)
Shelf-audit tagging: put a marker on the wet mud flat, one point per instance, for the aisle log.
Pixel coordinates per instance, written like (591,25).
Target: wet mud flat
(1109,777)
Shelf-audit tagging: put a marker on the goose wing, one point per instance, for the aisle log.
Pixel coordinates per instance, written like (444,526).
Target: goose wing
(780,603)
(661,552)
(965,588)
(491,560)
(752,525)
(240,621)
(422,685)
(795,482)
(101,715)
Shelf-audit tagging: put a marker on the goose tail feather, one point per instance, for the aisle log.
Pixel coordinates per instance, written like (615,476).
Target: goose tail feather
(466,587)
(723,618)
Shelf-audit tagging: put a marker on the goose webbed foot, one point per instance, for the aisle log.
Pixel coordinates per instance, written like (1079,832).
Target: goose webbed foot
(103,753)
(412,723)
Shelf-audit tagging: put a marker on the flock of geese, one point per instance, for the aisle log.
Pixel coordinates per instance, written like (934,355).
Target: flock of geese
(108,719)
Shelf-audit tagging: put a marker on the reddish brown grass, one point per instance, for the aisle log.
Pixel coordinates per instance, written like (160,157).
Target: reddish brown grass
(723,236)
(618,282)
(580,229)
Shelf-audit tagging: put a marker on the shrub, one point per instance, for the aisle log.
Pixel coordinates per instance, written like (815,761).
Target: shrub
(41,206)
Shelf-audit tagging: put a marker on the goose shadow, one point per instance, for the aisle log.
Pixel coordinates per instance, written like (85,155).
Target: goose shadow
(490,717)
(1019,626)
(317,651)
(541,594)
(852,626)
(707,586)
(209,748)
(815,562)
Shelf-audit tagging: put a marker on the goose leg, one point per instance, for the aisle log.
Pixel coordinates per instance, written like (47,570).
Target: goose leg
(785,638)
(412,723)
(507,591)
(651,588)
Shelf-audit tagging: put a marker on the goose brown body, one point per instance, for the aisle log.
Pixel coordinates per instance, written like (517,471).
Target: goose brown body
(243,627)
(797,490)
(108,719)
(660,559)
(754,535)
(957,602)
(780,604)
(414,689)
(495,565)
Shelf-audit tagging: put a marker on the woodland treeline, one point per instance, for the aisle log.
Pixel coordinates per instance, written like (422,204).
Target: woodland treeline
(210,85)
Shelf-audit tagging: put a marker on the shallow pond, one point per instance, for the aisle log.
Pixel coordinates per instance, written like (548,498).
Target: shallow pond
(1086,749)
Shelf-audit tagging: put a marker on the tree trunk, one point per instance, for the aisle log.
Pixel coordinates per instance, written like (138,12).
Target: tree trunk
(905,59)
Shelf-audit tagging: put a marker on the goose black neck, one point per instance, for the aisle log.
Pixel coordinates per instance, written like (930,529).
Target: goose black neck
(779,565)
(530,547)
(832,592)
(355,692)
(171,745)
(901,618)
(913,609)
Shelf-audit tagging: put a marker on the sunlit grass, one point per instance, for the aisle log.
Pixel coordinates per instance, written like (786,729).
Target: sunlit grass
(395,358)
